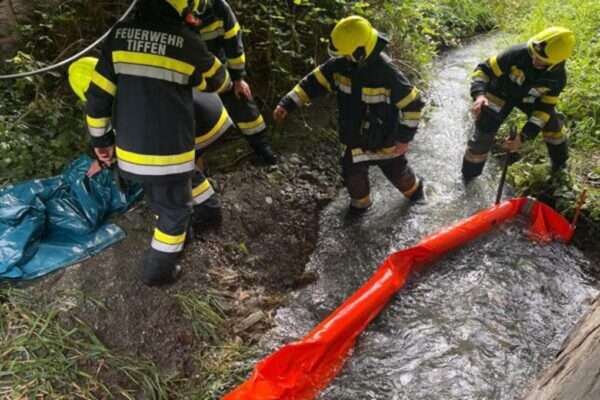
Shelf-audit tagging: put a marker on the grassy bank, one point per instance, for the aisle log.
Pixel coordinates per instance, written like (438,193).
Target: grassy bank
(580,102)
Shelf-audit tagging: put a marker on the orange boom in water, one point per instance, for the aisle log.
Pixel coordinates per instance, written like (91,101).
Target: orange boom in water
(298,371)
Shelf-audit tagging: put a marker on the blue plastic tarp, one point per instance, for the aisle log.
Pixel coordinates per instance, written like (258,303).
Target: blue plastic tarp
(47,224)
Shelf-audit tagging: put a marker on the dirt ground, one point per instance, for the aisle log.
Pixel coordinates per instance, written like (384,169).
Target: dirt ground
(257,256)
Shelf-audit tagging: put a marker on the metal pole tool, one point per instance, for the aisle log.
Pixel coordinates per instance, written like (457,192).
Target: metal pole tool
(512,136)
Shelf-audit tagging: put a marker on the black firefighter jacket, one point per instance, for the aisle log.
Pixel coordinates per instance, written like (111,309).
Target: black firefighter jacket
(510,77)
(377,106)
(220,30)
(143,82)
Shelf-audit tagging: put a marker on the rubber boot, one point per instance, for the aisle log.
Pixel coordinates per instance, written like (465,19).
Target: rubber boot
(208,214)
(262,148)
(160,268)
(559,154)
(471,170)
(418,194)
(359,206)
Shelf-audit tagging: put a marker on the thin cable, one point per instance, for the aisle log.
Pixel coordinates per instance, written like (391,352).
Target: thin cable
(73,57)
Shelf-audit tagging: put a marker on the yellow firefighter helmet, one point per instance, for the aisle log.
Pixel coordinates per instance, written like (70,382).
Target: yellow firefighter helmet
(184,7)
(552,45)
(353,37)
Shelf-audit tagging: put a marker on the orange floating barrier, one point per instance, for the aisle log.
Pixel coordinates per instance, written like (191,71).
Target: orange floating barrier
(300,370)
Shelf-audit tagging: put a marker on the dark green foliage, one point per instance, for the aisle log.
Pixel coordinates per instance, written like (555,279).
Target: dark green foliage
(41,124)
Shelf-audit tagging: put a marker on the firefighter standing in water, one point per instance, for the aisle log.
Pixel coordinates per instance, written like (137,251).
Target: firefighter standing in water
(379,110)
(222,34)
(142,87)
(529,76)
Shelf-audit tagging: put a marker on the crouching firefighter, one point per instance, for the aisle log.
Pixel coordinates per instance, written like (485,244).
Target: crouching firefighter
(529,76)
(142,85)
(379,110)
(220,30)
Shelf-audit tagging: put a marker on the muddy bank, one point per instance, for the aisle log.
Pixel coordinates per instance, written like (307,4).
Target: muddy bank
(242,269)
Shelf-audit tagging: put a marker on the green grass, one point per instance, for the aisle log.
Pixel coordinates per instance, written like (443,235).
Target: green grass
(206,315)
(46,352)
(221,368)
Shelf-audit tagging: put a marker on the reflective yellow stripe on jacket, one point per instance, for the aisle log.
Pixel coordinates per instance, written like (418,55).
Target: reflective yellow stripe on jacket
(155,165)
(212,31)
(152,66)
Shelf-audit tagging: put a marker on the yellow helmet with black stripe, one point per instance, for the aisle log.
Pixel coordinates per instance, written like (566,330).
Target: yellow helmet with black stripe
(185,7)
(353,37)
(552,45)
(80,75)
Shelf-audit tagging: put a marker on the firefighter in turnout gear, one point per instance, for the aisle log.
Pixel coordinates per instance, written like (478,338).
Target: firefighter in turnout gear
(222,34)
(379,110)
(142,86)
(529,76)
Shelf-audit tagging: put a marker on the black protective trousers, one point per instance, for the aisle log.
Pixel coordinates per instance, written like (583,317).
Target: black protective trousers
(356,177)
(171,204)
(244,113)
(487,126)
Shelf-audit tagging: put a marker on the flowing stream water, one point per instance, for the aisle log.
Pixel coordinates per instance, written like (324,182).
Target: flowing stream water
(479,324)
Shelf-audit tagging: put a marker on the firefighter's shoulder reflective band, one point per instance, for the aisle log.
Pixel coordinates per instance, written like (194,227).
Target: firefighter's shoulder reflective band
(321,79)
(202,192)
(232,32)
(152,66)
(302,369)
(212,31)
(167,243)
(155,165)
(205,139)
(104,83)
(252,127)
(414,93)
(493,61)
